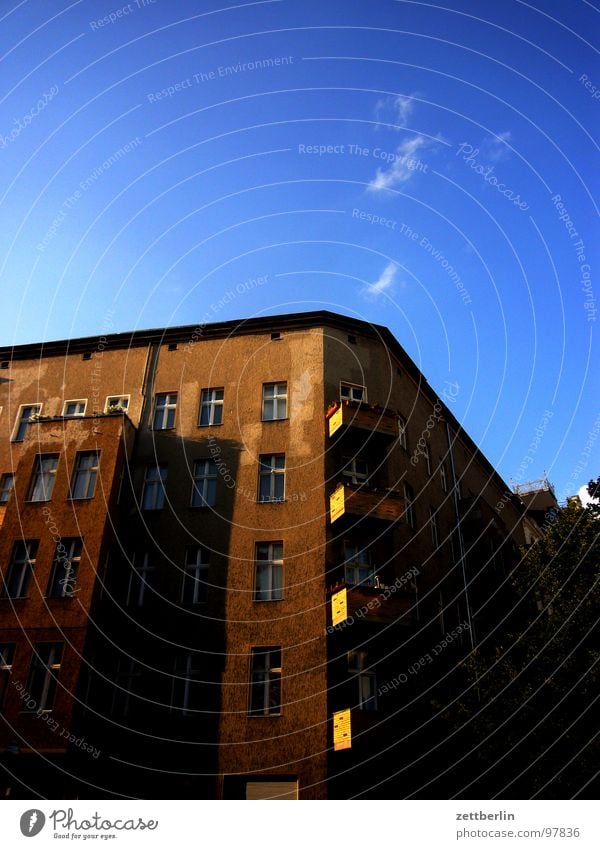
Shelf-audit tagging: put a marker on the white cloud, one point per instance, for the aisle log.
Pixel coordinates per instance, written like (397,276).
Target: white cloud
(584,496)
(403,106)
(497,147)
(395,109)
(386,279)
(403,166)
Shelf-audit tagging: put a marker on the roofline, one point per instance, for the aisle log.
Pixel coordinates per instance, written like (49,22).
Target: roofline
(248,326)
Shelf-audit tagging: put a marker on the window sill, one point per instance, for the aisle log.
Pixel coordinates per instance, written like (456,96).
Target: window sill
(214,424)
(267,600)
(284,419)
(264,715)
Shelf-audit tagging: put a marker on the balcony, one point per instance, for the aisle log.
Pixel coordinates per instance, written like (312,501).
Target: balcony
(351,500)
(377,606)
(352,414)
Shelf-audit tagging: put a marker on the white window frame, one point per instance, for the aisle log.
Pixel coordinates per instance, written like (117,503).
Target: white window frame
(91,474)
(51,664)
(187,673)
(82,407)
(163,409)
(349,395)
(204,483)
(209,402)
(7,659)
(279,398)
(357,559)
(366,679)
(435,530)
(195,575)
(409,505)
(24,566)
(24,420)
(138,576)
(46,479)
(270,678)
(402,432)
(271,473)
(272,564)
(154,493)
(121,401)
(352,473)
(7,485)
(443,477)
(62,583)
(427,456)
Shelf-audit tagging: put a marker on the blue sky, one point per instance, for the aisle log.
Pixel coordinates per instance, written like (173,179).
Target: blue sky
(428,167)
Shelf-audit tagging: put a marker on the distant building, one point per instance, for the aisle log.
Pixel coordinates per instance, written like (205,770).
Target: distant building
(226,551)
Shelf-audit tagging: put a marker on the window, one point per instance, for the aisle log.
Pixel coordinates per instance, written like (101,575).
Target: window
(126,675)
(85,474)
(7,656)
(357,565)
(427,456)
(265,681)
(211,407)
(274,403)
(20,569)
(352,392)
(65,568)
(443,478)
(43,675)
(268,582)
(195,576)
(409,507)
(43,477)
(153,493)
(7,483)
(355,470)
(204,490)
(271,477)
(165,407)
(367,682)
(72,409)
(433,523)
(116,403)
(25,414)
(402,437)
(139,579)
(186,692)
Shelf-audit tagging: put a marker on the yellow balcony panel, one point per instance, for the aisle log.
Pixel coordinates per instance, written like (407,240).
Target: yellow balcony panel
(348,500)
(364,417)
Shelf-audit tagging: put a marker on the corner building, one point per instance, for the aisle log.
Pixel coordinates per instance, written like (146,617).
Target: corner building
(223,549)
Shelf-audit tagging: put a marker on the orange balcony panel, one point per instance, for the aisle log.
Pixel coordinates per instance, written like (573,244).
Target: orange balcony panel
(364,417)
(348,500)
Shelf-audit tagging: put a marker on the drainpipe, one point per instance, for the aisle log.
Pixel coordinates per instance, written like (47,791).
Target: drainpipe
(461,546)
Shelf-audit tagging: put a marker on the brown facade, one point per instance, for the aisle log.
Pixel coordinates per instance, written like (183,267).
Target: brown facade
(259,469)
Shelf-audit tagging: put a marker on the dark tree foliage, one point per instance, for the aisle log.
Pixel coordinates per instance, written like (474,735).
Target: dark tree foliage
(526,722)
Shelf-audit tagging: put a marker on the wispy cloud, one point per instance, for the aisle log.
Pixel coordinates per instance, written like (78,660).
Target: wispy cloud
(403,166)
(395,110)
(385,281)
(496,148)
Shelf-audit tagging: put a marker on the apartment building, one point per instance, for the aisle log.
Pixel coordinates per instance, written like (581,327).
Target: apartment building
(220,546)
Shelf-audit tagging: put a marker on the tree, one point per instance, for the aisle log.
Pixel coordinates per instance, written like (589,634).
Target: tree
(524,723)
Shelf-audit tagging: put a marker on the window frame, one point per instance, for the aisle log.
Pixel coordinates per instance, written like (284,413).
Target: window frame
(187,674)
(138,574)
(7,486)
(273,474)
(77,415)
(364,675)
(7,662)
(21,420)
(434,527)
(65,587)
(274,566)
(90,473)
(427,457)
(359,559)
(350,472)
(276,399)
(409,505)
(199,495)
(164,410)
(154,489)
(110,402)
(402,432)
(40,478)
(346,384)
(211,404)
(443,477)
(47,697)
(270,680)
(199,566)
(26,565)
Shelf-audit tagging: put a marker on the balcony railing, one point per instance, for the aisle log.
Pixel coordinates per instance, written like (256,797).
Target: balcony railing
(364,417)
(350,500)
(381,605)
